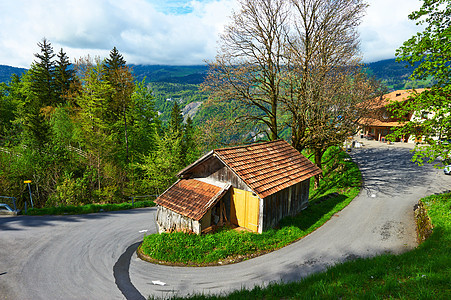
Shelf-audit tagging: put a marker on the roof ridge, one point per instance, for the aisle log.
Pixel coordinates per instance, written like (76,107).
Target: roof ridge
(250,145)
(293,176)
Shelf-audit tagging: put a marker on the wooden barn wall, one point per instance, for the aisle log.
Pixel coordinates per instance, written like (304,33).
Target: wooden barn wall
(205,168)
(287,202)
(169,220)
(226,198)
(214,169)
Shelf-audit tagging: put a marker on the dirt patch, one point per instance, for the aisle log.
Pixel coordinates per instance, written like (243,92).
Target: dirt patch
(390,230)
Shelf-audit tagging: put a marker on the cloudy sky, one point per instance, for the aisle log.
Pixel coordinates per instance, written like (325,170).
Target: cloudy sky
(167,32)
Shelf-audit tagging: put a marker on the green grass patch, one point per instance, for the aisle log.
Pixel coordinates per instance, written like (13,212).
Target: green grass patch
(87,209)
(341,175)
(423,273)
(340,185)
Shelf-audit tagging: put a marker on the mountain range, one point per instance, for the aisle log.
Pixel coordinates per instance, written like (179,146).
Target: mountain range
(393,74)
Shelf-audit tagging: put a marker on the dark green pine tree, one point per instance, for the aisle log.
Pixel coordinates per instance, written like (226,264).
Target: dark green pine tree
(40,97)
(112,69)
(114,62)
(64,75)
(175,134)
(176,122)
(43,76)
(189,149)
(118,75)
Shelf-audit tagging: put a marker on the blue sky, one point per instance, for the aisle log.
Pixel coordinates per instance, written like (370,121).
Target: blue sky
(175,7)
(172,32)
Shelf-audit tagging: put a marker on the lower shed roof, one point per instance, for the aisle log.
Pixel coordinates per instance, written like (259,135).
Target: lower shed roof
(191,197)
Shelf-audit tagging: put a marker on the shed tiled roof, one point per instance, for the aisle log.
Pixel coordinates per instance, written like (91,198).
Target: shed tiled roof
(191,198)
(268,167)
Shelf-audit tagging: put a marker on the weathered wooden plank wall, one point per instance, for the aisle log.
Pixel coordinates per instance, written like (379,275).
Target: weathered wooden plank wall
(287,202)
(214,169)
(169,220)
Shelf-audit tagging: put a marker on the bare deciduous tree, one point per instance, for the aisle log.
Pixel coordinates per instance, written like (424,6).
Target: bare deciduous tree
(325,83)
(250,61)
(296,64)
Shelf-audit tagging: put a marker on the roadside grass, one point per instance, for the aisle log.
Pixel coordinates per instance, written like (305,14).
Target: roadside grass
(423,273)
(339,186)
(87,209)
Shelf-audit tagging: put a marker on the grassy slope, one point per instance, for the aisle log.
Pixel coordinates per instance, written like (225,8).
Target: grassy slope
(336,191)
(423,273)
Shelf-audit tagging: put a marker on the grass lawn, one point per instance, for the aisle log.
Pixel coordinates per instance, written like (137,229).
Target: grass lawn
(86,209)
(423,273)
(340,185)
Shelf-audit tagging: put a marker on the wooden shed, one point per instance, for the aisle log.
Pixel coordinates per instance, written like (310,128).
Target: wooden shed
(252,186)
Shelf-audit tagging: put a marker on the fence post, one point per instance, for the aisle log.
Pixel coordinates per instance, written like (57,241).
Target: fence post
(29,190)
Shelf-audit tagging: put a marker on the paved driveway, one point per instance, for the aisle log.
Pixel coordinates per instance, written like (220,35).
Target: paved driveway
(93,256)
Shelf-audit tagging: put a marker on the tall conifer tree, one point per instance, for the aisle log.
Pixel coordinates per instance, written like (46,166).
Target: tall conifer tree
(64,75)
(120,100)
(43,75)
(40,96)
(114,62)
(176,122)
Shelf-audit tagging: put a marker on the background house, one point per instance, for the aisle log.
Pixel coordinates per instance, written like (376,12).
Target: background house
(379,122)
(251,186)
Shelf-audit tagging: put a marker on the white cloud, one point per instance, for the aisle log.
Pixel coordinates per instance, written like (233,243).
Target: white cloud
(386,26)
(160,31)
(141,31)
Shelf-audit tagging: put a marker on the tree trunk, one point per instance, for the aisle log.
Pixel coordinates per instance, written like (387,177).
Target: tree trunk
(126,136)
(273,118)
(98,172)
(318,156)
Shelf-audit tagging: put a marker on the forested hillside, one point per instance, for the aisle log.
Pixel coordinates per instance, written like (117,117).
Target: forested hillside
(6,72)
(395,75)
(87,133)
(180,84)
(102,131)
(170,74)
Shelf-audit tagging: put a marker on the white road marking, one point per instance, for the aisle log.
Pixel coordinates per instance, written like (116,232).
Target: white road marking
(158,282)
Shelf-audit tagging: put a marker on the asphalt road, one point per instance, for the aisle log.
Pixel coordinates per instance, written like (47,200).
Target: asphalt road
(93,256)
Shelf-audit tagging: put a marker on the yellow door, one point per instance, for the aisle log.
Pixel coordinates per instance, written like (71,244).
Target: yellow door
(245,209)
(252,208)
(238,214)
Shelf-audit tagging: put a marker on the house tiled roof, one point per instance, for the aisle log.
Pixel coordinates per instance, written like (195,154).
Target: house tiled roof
(395,96)
(268,167)
(379,123)
(191,198)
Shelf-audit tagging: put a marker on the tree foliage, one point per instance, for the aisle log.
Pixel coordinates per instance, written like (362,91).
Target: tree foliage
(430,50)
(64,75)
(86,133)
